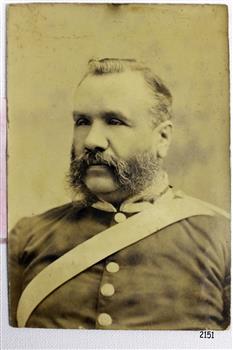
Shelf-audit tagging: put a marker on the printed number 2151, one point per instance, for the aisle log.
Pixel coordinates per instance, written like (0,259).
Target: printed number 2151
(207,334)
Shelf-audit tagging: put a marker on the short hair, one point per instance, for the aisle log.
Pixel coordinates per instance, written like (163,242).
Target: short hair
(162,108)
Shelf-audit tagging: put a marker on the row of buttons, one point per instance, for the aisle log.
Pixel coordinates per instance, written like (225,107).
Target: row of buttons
(108,290)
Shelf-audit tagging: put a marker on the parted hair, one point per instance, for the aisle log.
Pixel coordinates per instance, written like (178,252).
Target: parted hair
(163,98)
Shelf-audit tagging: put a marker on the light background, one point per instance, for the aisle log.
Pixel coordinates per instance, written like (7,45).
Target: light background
(48,49)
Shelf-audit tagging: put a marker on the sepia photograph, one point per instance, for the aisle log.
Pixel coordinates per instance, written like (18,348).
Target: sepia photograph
(118,167)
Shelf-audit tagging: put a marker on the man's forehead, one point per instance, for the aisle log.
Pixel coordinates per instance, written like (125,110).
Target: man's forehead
(124,88)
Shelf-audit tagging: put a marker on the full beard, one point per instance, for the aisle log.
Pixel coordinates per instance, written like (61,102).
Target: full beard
(132,176)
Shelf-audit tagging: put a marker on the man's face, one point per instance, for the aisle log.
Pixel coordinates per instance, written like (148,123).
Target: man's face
(112,115)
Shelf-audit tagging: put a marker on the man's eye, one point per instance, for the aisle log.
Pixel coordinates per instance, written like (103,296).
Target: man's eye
(115,121)
(82,121)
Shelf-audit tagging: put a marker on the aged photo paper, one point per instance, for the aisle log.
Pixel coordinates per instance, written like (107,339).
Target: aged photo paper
(118,167)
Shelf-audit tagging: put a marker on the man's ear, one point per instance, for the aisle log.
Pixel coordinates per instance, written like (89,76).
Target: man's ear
(163,137)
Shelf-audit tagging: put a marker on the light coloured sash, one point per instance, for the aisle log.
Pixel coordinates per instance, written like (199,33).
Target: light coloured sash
(103,245)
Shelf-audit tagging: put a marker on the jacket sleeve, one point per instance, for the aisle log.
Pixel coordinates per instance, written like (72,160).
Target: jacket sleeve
(227,280)
(225,237)
(227,303)
(16,239)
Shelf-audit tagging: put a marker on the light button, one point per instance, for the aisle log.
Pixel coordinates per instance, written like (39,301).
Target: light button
(104,319)
(112,267)
(107,290)
(119,217)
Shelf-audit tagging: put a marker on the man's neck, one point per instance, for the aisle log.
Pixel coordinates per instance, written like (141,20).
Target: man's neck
(115,198)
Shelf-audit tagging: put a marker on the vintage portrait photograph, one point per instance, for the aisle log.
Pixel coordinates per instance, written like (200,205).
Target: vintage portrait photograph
(118,167)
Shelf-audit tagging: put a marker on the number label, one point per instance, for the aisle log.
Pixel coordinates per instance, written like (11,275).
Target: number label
(207,334)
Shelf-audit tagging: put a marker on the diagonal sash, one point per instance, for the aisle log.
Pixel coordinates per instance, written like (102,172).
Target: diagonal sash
(103,245)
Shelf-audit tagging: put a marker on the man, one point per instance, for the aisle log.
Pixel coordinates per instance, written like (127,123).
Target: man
(128,252)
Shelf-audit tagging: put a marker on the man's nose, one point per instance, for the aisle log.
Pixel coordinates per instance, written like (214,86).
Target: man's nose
(96,138)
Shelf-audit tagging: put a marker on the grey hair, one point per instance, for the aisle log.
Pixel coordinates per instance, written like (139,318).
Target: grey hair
(162,108)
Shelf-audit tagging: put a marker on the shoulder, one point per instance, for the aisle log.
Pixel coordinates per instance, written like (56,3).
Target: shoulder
(209,229)
(202,205)
(201,221)
(58,215)
(204,216)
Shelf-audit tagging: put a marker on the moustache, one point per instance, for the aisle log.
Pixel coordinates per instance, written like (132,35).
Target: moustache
(120,169)
(89,158)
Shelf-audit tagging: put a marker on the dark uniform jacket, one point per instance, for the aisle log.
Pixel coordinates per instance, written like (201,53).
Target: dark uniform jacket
(175,279)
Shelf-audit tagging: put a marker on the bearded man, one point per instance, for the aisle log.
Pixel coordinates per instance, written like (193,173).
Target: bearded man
(128,252)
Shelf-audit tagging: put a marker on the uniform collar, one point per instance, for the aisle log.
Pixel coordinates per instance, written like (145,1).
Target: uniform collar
(159,190)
